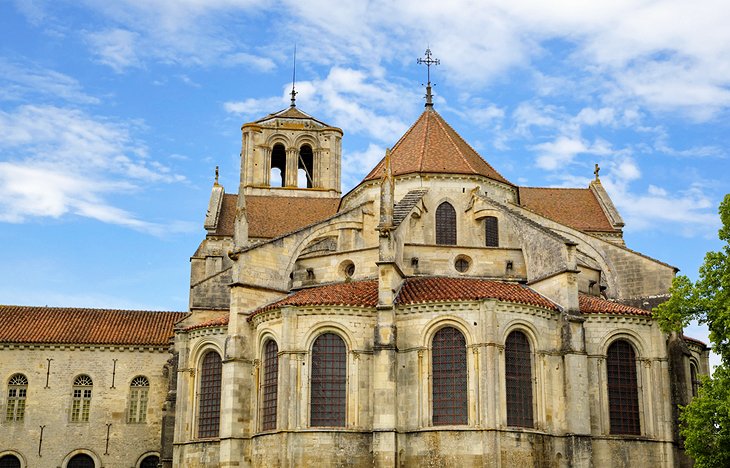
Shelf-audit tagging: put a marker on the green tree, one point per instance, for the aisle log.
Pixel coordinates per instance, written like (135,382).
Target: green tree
(705,422)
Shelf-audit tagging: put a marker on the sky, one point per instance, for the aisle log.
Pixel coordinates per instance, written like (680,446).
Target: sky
(113,116)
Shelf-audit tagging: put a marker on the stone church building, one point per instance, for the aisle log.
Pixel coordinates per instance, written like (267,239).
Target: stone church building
(437,314)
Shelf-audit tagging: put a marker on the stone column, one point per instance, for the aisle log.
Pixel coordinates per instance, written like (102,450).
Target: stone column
(292,163)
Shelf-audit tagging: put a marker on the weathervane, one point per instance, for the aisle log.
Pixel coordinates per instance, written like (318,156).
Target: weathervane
(294,79)
(428,61)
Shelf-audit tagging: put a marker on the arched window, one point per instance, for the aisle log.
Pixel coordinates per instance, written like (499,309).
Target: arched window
(9,461)
(623,398)
(328,398)
(305,165)
(209,395)
(269,386)
(449,377)
(277,177)
(81,404)
(518,377)
(138,392)
(694,377)
(491,231)
(150,461)
(17,389)
(445,224)
(81,461)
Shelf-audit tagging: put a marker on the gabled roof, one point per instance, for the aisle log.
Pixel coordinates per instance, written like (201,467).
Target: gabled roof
(432,146)
(60,325)
(290,113)
(270,216)
(574,207)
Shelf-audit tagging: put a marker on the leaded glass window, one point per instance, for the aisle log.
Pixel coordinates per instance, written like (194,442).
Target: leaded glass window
(209,395)
(518,376)
(491,231)
(449,377)
(328,399)
(445,224)
(269,386)
(623,397)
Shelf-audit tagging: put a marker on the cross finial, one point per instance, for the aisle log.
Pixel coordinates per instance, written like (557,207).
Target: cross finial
(216,175)
(428,61)
(294,80)
(596,171)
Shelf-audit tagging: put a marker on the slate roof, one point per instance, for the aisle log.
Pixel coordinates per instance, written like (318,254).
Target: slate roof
(270,216)
(574,207)
(596,305)
(60,325)
(432,146)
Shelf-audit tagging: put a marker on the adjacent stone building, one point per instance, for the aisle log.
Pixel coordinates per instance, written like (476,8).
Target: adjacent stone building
(437,314)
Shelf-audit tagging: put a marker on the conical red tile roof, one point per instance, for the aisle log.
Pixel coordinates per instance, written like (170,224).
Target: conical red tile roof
(432,146)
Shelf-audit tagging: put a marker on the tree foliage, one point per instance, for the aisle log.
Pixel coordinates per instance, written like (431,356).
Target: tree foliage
(705,422)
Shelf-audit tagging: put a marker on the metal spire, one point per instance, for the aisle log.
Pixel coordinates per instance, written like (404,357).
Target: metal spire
(428,61)
(294,80)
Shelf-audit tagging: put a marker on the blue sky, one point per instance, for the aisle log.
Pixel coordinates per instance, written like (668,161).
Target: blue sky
(113,116)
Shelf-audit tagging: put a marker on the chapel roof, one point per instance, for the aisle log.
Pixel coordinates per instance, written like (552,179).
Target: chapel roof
(574,207)
(270,216)
(61,325)
(290,112)
(597,305)
(432,146)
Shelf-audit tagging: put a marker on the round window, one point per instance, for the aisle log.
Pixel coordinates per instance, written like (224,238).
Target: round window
(348,268)
(462,264)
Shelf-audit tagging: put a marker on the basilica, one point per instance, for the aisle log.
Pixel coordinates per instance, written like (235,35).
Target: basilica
(436,314)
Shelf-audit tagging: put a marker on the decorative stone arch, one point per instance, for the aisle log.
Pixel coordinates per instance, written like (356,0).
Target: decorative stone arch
(145,455)
(526,327)
(18,455)
(279,138)
(67,459)
(443,321)
(262,336)
(639,344)
(329,326)
(199,349)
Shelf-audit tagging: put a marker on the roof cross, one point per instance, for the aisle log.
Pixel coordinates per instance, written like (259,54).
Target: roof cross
(294,80)
(428,61)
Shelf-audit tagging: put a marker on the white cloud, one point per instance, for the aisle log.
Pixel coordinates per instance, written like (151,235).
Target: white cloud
(63,161)
(116,48)
(357,164)
(561,151)
(20,80)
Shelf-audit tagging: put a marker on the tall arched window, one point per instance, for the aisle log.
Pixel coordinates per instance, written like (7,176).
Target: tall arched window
(328,398)
(518,377)
(81,404)
(491,231)
(17,390)
(150,461)
(277,177)
(623,397)
(305,165)
(445,224)
(695,378)
(9,461)
(138,393)
(269,386)
(209,395)
(449,377)
(81,461)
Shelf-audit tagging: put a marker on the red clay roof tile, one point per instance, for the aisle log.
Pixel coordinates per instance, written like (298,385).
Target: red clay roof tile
(24,324)
(215,322)
(574,207)
(596,305)
(432,146)
(270,216)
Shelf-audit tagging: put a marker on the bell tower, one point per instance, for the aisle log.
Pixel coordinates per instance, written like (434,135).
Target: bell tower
(290,153)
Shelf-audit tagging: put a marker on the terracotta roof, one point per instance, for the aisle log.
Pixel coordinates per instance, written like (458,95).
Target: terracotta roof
(596,305)
(443,289)
(574,207)
(432,146)
(695,341)
(227,216)
(271,216)
(354,293)
(215,322)
(24,324)
(413,291)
